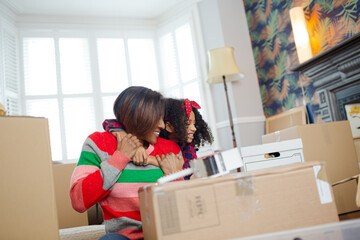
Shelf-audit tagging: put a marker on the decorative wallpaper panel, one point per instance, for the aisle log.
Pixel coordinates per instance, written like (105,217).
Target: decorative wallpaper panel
(329,23)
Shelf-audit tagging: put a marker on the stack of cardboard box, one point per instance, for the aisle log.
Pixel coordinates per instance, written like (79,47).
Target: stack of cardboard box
(262,201)
(234,205)
(331,143)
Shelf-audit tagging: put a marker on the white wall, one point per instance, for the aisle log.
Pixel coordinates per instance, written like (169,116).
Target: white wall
(224,23)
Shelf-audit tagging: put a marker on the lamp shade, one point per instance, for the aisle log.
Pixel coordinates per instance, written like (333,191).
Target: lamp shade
(222,63)
(301,35)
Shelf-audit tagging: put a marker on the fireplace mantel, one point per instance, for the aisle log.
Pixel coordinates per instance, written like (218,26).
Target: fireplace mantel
(336,76)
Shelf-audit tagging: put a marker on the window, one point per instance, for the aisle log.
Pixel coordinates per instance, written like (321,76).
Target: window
(74,82)
(112,65)
(143,63)
(9,79)
(73,78)
(179,65)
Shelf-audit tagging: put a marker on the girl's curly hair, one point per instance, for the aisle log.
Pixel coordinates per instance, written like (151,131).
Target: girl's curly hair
(176,114)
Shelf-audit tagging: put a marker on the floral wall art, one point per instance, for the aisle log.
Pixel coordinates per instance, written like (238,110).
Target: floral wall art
(329,23)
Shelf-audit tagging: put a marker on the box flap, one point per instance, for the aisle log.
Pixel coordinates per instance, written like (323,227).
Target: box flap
(170,186)
(292,117)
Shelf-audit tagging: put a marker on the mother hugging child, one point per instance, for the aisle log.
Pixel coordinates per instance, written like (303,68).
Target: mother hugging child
(106,172)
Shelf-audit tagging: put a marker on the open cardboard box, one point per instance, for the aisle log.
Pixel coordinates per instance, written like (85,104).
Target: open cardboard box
(238,205)
(35,193)
(26,180)
(67,216)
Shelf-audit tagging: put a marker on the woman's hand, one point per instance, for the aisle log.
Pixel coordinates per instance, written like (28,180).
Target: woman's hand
(170,163)
(127,144)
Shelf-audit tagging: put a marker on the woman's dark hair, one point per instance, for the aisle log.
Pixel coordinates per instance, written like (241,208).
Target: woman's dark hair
(176,114)
(139,109)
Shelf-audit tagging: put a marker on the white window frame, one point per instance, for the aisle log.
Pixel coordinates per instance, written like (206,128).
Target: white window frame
(96,94)
(191,15)
(124,32)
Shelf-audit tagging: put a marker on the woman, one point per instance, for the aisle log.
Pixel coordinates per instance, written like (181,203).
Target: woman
(184,125)
(106,174)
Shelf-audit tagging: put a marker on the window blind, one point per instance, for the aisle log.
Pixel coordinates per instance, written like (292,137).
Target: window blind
(10,60)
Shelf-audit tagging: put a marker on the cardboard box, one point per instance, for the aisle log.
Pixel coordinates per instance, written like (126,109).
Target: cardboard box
(67,216)
(349,216)
(331,143)
(290,118)
(272,155)
(239,204)
(357,149)
(353,115)
(28,208)
(347,230)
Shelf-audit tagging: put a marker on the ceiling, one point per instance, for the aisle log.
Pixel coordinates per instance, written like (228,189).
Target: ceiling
(144,9)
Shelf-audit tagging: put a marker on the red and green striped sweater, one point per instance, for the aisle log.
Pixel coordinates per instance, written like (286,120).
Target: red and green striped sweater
(107,176)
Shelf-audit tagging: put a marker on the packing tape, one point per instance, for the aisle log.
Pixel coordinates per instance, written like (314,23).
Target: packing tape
(146,199)
(244,186)
(168,211)
(277,136)
(322,183)
(247,201)
(147,196)
(322,175)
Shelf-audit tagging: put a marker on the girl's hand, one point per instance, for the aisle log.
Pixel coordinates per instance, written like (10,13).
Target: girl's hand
(140,157)
(170,163)
(152,160)
(127,144)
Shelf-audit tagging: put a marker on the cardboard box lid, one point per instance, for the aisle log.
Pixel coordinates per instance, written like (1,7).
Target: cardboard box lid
(170,186)
(282,135)
(292,117)
(26,180)
(272,147)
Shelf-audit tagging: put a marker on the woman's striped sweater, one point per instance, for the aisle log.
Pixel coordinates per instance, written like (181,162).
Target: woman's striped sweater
(107,176)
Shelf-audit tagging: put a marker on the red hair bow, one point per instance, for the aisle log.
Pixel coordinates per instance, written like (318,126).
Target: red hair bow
(188,107)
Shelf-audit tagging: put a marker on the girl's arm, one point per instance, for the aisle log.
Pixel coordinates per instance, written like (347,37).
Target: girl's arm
(141,157)
(152,160)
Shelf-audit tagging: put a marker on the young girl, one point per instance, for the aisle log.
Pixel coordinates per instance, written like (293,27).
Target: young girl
(184,125)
